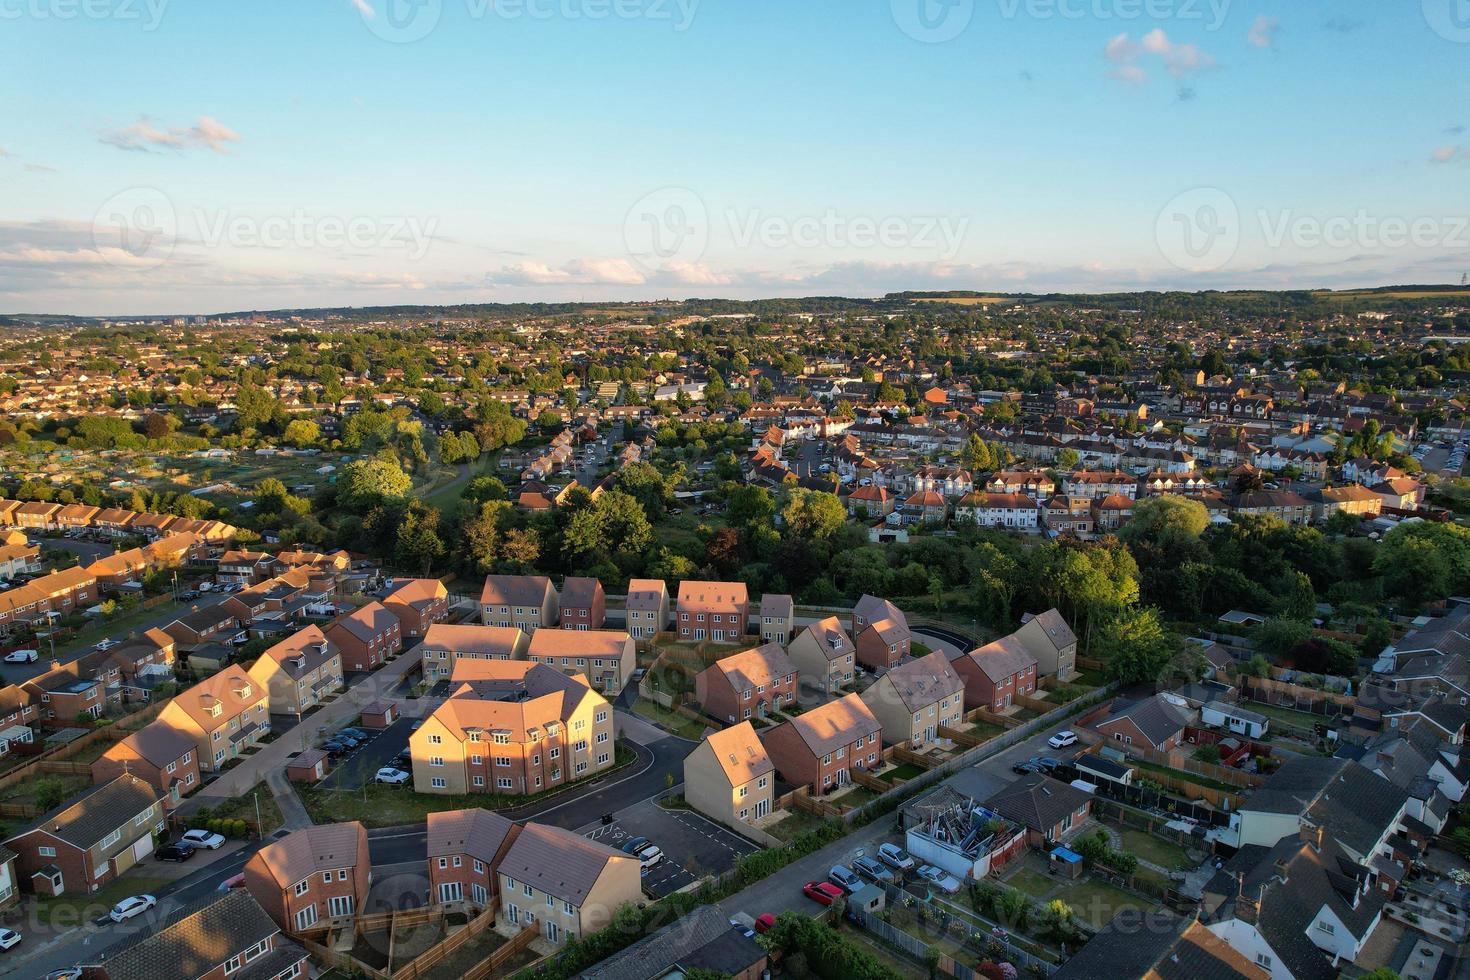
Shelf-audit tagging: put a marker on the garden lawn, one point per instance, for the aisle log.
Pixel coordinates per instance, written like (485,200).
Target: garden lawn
(683,727)
(1097,902)
(796,823)
(77,909)
(1155,850)
(1033,883)
(906,771)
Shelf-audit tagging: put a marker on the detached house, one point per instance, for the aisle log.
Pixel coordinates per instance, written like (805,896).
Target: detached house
(778,619)
(527,602)
(824,656)
(1049,639)
(583,604)
(564,885)
(729,777)
(300,671)
(997,673)
(915,698)
(465,847)
(648,607)
(418,603)
(223,714)
(367,637)
(312,878)
(749,684)
(713,610)
(1152,723)
(880,632)
(819,748)
(90,839)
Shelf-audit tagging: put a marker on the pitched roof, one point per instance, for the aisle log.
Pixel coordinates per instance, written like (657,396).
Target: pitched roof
(740,754)
(834,725)
(1054,626)
(476,832)
(97,811)
(560,863)
(1038,802)
(1157,718)
(749,669)
(487,640)
(515,590)
(193,939)
(1002,658)
(925,680)
(158,742)
(646,594)
(417,592)
(831,638)
(712,595)
(578,643)
(777,606)
(367,622)
(1158,945)
(324,847)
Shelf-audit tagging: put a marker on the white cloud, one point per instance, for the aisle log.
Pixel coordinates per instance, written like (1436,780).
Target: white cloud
(1263,32)
(144,137)
(1179,60)
(1448,154)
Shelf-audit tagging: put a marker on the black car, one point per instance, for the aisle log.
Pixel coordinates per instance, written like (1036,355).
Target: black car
(356,733)
(177,851)
(1027,767)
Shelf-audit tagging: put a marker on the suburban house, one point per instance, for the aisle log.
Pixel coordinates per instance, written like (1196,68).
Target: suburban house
(752,683)
(1152,723)
(418,603)
(701,943)
(729,777)
(1159,945)
(245,568)
(713,610)
(512,727)
(367,638)
(313,877)
(528,602)
(647,607)
(208,624)
(90,839)
(564,885)
(819,748)
(945,828)
(997,673)
(1048,808)
(583,604)
(210,938)
(300,671)
(778,619)
(606,658)
(444,645)
(465,847)
(164,756)
(880,632)
(824,656)
(223,714)
(915,698)
(65,694)
(1051,641)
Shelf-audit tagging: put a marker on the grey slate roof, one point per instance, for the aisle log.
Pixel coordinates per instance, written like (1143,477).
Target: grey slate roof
(653,955)
(97,811)
(1038,802)
(1156,718)
(194,939)
(558,862)
(1135,943)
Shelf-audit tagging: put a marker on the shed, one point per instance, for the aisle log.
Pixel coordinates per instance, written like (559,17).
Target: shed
(308,767)
(1065,862)
(1219,714)
(379,715)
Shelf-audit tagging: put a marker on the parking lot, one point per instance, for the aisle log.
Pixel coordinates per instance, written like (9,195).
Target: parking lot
(357,767)
(693,846)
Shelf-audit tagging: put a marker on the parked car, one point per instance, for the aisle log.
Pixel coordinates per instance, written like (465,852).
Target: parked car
(1029,766)
(895,857)
(939,878)
(129,907)
(108,644)
(203,838)
(650,856)
(872,870)
(635,845)
(765,922)
(1048,765)
(1062,739)
(356,733)
(22,656)
(334,749)
(391,777)
(177,851)
(351,741)
(822,892)
(9,938)
(846,877)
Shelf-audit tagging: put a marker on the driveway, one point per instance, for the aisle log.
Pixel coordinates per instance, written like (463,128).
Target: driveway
(363,763)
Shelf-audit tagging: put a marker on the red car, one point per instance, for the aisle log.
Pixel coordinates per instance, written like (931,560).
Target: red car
(764,923)
(822,892)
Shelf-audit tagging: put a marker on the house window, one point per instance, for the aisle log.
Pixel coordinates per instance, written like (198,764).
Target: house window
(306,918)
(301,887)
(437,782)
(46,852)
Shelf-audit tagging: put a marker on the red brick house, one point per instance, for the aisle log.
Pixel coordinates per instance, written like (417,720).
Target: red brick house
(1049,809)
(880,632)
(418,603)
(750,684)
(997,673)
(312,878)
(158,753)
(366,637)
(713,611)
(1152,723)
(90,839)
(819,748)
(465,847)
(583,604)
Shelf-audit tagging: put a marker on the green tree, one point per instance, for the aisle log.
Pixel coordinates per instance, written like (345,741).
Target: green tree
(1136,646)
(418,544)
(485,488)
(813,514)
(613,526)
(302,433)
(367,483)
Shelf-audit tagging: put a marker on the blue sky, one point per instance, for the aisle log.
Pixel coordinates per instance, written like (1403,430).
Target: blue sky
(169,157)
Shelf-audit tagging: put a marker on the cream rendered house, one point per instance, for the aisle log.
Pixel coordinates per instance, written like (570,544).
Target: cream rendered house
(915,698)
(728,777)
(564,885)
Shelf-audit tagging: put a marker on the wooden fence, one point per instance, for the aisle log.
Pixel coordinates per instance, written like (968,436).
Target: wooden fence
(436,953)
(991,718)
(502,955)
(914,759)
(57,755)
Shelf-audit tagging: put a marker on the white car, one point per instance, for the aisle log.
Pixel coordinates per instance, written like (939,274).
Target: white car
(650,855)
(9,938)
(391,776)
(205,839)
(129,907)
(939,878)
(1062,739)
(108,644)
(22,656)
(895,857)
